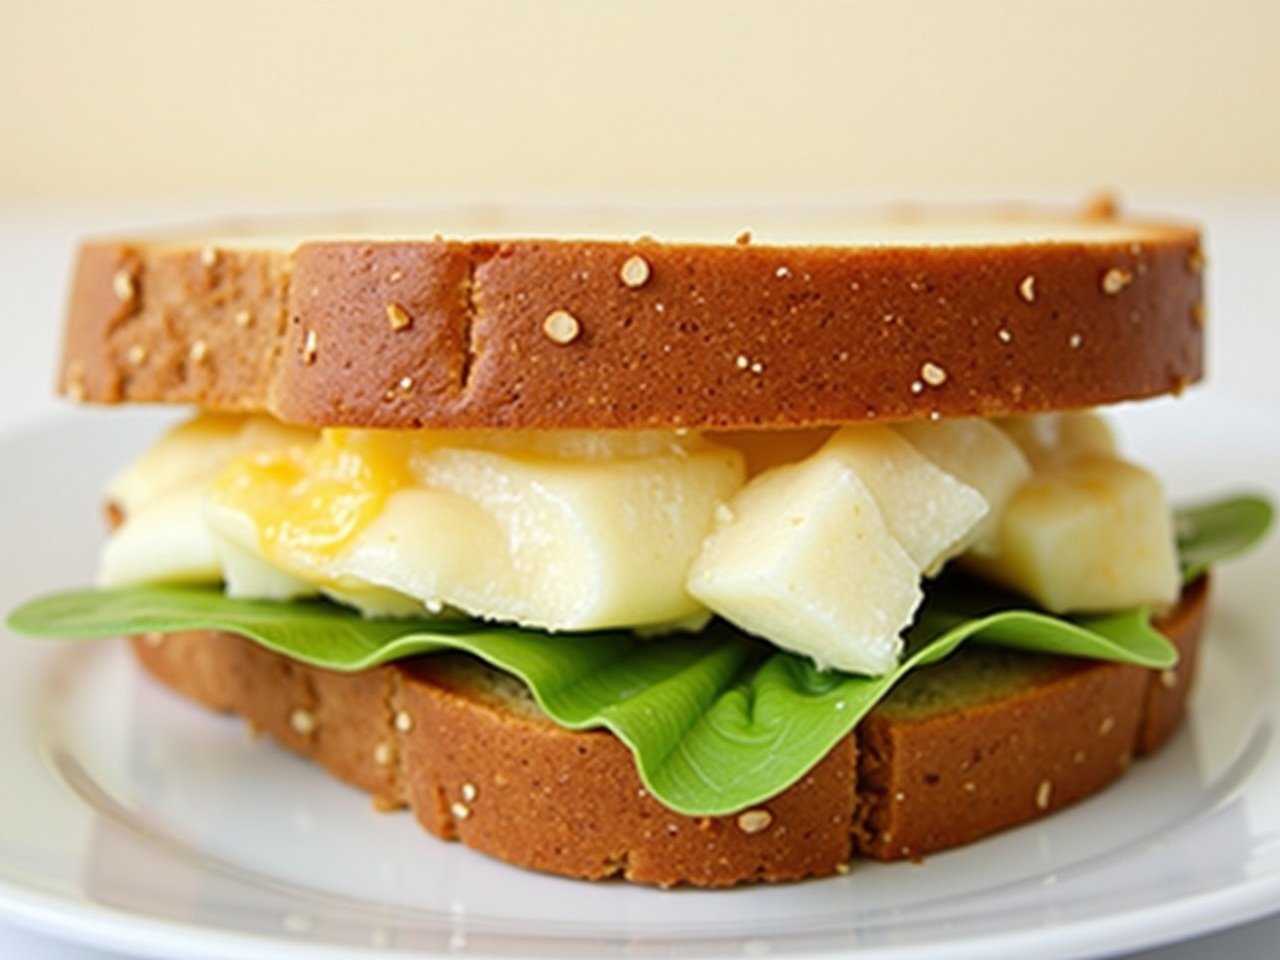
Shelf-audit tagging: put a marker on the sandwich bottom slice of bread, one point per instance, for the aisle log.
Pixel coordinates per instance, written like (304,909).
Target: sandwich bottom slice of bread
(981,742)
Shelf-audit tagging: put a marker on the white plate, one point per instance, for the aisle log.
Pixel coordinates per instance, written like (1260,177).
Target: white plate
(132,820)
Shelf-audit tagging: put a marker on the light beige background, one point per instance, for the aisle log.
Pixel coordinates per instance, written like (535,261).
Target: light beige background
(144,98)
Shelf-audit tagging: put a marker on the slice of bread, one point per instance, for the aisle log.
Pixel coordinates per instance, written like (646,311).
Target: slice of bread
(900,318)
(980,743)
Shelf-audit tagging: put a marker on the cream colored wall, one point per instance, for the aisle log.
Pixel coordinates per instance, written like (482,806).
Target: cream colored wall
(160,99)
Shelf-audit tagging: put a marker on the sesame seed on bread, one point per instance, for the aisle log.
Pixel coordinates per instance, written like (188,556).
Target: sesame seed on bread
(980,743)
(904,317)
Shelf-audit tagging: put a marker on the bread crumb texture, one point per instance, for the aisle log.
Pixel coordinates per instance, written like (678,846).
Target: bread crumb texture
(613,334)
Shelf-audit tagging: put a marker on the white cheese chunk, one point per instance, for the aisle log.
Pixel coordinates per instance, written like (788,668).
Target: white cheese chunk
(825,556)
(979,454)
(193,451)
(1086,533)
(1049,437)
(162,542)
(929,512)
(805,559)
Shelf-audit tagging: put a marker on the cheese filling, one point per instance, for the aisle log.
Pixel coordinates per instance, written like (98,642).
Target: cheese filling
(817,541)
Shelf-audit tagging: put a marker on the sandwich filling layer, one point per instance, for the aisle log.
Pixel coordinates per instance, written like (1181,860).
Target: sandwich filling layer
(817,541)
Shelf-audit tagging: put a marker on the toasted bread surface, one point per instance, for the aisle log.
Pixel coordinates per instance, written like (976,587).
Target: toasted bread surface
(980,743)
(995,317)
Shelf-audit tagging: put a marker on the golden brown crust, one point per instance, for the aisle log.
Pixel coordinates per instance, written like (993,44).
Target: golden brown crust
(452,333)
(477,764)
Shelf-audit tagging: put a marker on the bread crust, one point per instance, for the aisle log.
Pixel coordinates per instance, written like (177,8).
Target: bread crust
(477,762)
(452,333)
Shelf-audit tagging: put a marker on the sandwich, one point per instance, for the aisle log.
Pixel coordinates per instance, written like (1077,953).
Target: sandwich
(687,561)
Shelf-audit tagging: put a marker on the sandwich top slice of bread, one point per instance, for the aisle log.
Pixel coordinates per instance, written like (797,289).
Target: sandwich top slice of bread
(910,317)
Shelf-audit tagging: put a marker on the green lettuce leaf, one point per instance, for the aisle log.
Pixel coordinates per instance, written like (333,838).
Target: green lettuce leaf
(717,721)
(1214,531)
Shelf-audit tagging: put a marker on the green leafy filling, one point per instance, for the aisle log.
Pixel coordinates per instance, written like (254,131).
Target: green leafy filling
(717,721)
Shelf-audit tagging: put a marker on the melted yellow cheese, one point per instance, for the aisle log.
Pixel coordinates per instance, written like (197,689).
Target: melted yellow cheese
(566,531)
(313,499)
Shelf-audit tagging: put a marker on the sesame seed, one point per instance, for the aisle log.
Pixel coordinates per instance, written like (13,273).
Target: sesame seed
(123,285)
(1075,340)
(933,375)
(459,810)
(757,367)
(754,821)
(1004,335)
(403,721)
(406,383)
(303,721)
(970,787)
(635,271)
(244,319)
(935,416)
(741,362)
(561,327)
(1106,726)
(397,317)
(382,754)
(1043,794)
(899,797)
(1115,280)
(199,350)
(917,386)
(395,276)
(1027,288)
(209,256)
(309,347)
(469,792)
(137,354)
(1168,679)
(782,273)
(743,238)
(75,386)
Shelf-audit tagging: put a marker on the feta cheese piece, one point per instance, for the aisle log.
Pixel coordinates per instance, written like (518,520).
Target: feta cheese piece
(927,510)
(979,454)
(805,559)
(1086,533)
